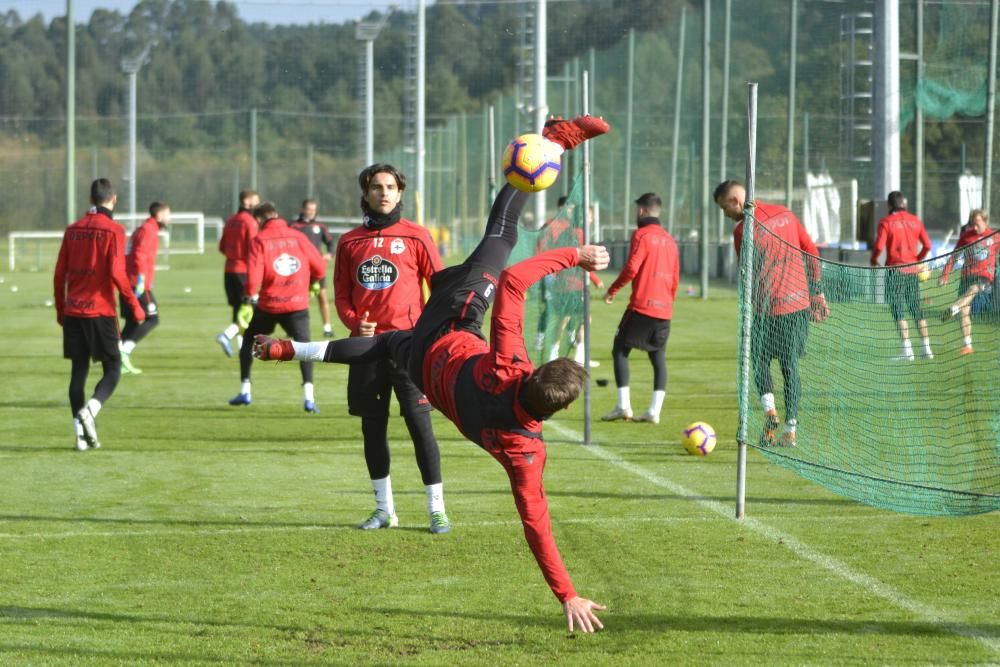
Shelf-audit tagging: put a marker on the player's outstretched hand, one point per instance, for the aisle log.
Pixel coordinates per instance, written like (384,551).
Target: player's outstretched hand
(580,614)
(593,257)
(266,348)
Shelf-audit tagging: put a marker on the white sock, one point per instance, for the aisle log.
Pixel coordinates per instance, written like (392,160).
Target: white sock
(78,427)
(554,352)
(907,348)
(656,404)
(327,328)
(435,497)
(128,346)
(94,406)
(231,331)
(790,425)
(245,387)
(768,402)
(578,354)
(383,495)
(927,345)
(239,342)
(968,341)
(624,398)
(310,351)
(954,310)
(307,391)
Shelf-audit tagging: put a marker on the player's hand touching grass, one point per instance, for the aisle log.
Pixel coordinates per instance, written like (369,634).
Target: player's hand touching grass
(580,614)
(593,257)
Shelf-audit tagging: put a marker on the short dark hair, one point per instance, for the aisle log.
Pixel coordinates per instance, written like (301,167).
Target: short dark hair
(554,386)
(723,188)
(306,202)
(246,194)
(562,200)
(896,201)
(101,192)
(366,175)
(265,211)
(649,200)
(156,207)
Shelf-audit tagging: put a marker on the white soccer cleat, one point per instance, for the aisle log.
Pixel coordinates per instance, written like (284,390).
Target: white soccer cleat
(227,346)
(618,413)
(81,445)
(648,417)
(89,428)
(379,519)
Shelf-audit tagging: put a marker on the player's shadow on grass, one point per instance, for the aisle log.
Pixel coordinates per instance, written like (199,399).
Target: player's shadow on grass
(660,623)
(192,523)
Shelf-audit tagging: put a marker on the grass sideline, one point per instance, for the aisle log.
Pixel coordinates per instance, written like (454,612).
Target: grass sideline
(205,534)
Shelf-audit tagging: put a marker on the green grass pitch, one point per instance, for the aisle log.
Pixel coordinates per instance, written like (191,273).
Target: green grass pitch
(205,534)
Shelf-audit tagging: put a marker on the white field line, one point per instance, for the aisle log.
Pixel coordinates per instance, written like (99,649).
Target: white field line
(925,612)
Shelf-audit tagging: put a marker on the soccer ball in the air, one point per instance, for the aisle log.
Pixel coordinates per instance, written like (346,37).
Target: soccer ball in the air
(699,439)
(531,162)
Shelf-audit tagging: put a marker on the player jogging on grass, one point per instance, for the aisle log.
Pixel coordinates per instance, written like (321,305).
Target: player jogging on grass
(90,267)
(140,267)
(787,295)
(491,391)
(899,234)
(238,232)
(979,247)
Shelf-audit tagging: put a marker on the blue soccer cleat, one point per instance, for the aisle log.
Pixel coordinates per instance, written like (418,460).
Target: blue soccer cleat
(240,399)
(310,406)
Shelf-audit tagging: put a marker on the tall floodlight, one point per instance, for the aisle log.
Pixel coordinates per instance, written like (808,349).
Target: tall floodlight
(885,119)
(367,31)
(706,123)
(421,99)
(70,113)
(585,103)
(629,115)
(131,67)
(541,99)
(991,96)
(675,139)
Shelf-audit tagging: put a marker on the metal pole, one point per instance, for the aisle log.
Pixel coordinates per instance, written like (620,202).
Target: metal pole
(885,118)
(369,101)
(491,146)
(991,96)
(706,141)
(919,116)
(746,281)
(70,113)
(253,148)
(586,283)
(675,145)
(790,140)
(421,98)
(724,133)
(132,76)
(629,96)
(541,100)
(310,172)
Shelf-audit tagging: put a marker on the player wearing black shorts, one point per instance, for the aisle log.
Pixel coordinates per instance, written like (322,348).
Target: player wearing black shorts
(238,232)
(324,241)
(90,267)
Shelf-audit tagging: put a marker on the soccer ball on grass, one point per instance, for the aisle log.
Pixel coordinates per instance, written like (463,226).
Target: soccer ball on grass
(699,439)
(531,162)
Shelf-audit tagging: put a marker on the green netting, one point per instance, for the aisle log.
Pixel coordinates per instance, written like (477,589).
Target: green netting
(920,436)
(553,312)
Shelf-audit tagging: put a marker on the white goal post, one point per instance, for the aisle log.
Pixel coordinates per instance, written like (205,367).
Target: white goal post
(187,230)
(46,248)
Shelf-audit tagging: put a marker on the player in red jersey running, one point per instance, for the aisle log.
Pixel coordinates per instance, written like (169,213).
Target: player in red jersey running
(378,281)
(283,269)
(491,391)
(321,237)
(654,269)
(238,232)
(140,266)
(788,293)
(90,267)
(979,248)
(899,235)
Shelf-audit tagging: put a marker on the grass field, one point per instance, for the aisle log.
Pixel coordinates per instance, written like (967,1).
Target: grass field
(205,534)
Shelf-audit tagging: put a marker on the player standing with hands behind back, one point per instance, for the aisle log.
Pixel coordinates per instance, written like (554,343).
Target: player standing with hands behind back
(91,265)
(378,286)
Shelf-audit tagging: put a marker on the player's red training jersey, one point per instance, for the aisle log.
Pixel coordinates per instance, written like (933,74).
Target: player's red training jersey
(654,269)
(980,254)
(779,264)
(379,271)
(283,263)
(91,265)
(141,256)
(478,386)
(558,233)
(240,229)
(898,234)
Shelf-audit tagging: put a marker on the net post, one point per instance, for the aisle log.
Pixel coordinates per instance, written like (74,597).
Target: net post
(746,304)
(587,416)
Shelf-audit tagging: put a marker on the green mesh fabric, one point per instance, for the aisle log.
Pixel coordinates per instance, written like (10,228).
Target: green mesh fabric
(553,311)
(955,69)
(919,436)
